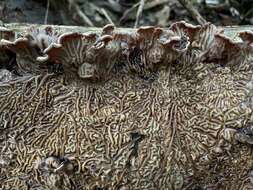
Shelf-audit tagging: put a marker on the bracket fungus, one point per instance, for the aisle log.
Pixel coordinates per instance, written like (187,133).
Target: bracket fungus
(184,129)
(247,36)
(41,38)
(5,55)
(30,46)
(225,51)
(73,51)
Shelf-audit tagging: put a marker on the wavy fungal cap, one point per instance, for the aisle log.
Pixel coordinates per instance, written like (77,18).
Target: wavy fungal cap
(141,51)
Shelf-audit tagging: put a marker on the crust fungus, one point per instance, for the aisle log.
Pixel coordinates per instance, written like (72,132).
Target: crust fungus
(88,55)
(6,56)
(150,47)
(247,36)
(106,53)
(29,47)
(108,29)
(222,49)
(74,51)
(55,171)
(226,51)
(42,38)
(128,131)
(143,51)
(6,33)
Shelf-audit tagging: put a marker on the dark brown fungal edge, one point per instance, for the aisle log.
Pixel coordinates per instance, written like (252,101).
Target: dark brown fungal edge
(7,58)
(246,36)
(29,46)
(42,37)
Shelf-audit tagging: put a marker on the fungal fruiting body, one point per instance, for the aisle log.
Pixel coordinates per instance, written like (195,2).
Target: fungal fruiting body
(28,47)
(91,56)
(190,127)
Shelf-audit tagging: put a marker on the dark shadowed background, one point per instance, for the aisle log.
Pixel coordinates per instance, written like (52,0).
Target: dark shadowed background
(126,13)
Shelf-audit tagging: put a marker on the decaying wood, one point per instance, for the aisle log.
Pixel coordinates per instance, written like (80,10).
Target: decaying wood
(184,124)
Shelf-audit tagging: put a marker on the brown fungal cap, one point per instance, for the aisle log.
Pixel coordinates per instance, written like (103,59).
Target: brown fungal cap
(25,53)
(42,37)
(146,31)
(70,49)
(246,36)
(29,47)
(184,29)
(20,43)
(103,41)
(108,29)
(205,37)
(223,49)
(6,33)
(179,44)
(77,53)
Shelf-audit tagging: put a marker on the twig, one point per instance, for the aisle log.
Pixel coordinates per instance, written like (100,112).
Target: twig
(128,11)
(194,13)
(114,5)
(107,16)
(139,12)
(147,6)
(80,13)
(46,15)
(156,3)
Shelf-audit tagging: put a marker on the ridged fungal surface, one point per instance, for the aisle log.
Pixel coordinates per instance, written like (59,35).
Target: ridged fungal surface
(150,109)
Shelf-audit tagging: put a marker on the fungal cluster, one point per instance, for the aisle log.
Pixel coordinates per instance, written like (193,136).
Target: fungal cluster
(93,56)
(190,127)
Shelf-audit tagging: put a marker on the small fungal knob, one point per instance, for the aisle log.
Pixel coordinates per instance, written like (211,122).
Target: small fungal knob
(54,164)
(108,29)
(86,70)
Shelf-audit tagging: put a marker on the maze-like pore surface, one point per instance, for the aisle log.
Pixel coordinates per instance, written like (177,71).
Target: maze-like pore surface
(127,133)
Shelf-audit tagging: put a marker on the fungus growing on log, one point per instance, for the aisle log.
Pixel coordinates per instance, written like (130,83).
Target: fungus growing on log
(225,51)
(73,51)
(25,54)
(183,130)
(247,36)
(42,37)
(29,47)
(6,33)
(6,57)
(184,29)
